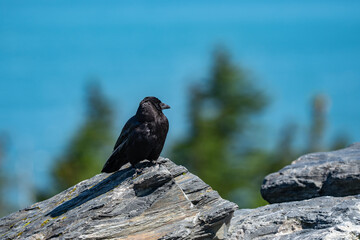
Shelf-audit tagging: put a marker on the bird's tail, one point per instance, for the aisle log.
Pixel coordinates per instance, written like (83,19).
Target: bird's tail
(114,163)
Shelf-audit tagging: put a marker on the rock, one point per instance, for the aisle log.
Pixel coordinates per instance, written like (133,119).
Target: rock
(334,173)
(319,218)
(164,201)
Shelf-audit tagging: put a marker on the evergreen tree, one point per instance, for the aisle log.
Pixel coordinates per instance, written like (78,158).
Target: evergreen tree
(4,207)
(319,106)
(220,112)
(90,146)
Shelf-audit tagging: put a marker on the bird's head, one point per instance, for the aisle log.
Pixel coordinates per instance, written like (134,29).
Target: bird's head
(155,102)
(151,106)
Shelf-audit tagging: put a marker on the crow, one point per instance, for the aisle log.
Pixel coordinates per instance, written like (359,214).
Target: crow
(142,137)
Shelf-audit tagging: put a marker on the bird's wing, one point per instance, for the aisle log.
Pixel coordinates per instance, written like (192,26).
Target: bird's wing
(162,131)
(117,158)
(129,127)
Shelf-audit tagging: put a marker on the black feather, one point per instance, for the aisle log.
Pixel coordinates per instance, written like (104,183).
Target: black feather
(142,137)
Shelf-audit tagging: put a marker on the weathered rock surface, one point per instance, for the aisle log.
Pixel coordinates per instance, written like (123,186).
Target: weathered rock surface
(167,202)
(330,218)
(334,173)
(164,201)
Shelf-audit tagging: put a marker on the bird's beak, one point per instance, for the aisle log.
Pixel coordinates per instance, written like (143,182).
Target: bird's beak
(164,106)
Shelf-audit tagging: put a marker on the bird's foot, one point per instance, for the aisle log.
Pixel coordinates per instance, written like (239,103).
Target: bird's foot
(138,172)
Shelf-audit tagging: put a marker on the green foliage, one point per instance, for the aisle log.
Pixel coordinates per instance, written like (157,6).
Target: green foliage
(5,208)
(91,144)
(318,122)
(218,147)
(2,179)
(219,114)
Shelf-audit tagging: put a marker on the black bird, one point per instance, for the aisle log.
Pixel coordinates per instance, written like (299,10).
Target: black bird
(142,137)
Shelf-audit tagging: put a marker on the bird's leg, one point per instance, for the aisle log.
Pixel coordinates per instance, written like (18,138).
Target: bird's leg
(138,170)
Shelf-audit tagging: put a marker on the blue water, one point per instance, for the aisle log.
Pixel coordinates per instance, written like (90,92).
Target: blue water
(49,49)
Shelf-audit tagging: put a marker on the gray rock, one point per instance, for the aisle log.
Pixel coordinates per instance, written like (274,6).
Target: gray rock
(164,201)
(330,218)
(334,173)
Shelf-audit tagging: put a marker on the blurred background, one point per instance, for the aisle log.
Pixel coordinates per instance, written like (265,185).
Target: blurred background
(252,86)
